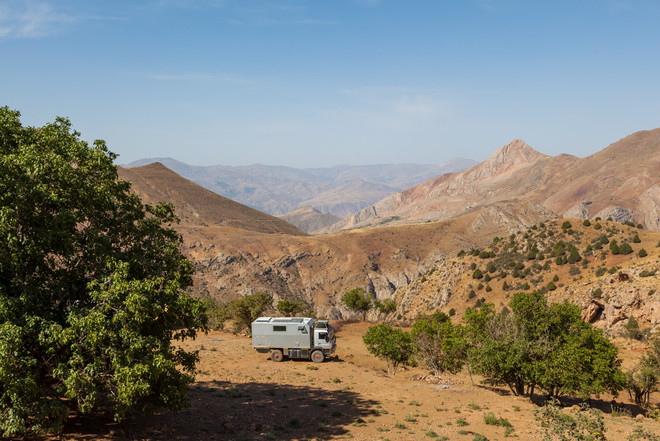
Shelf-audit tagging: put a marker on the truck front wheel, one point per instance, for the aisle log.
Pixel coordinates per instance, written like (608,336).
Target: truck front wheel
(318,357)
(276,355)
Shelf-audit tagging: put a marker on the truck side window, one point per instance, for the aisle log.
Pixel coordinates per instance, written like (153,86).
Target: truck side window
(323,335)
(279,328)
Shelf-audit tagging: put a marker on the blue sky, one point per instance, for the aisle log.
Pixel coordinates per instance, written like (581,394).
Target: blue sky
(309,83)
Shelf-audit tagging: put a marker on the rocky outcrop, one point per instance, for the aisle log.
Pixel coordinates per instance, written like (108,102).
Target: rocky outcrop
(617,214)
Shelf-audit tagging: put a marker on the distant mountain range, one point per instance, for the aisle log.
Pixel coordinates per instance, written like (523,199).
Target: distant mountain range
(340,190)
(622,182)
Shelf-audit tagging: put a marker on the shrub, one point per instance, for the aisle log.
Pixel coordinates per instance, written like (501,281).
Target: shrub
(477,274)
(636,239)
(587,425)
(391,344)
(614,247)
(586,223)
(642,253)
(625,249)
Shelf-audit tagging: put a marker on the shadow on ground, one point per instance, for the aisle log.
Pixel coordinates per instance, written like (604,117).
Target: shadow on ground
(247,411)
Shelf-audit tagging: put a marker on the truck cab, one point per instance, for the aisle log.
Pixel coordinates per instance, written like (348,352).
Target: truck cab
(294,337)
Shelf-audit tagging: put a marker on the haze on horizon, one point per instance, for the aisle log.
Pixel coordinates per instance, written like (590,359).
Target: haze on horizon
(317,83)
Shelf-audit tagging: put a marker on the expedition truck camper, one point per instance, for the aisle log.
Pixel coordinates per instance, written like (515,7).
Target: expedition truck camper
(293,337)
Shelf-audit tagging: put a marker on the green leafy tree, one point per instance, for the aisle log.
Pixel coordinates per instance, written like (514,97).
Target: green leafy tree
(294,307)
(91,285)
(391,344)
(541,345)
(244,310)
(438,344)
(357,300)
(644,378)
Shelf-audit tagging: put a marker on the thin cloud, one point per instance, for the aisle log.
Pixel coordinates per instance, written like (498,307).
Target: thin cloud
(29,19)
(38,19)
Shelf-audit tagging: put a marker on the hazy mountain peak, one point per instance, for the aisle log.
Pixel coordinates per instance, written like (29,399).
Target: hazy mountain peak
(515,152)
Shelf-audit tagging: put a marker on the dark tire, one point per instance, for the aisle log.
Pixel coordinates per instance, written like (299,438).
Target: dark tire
(276,355)
(318,357)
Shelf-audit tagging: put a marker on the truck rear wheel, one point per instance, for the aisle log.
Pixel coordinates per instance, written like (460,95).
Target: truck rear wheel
(318,357)
(276,355)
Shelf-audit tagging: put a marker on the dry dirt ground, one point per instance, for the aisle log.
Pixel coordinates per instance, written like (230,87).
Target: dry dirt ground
(242,395)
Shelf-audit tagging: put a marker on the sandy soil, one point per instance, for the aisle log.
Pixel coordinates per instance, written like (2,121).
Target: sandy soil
(241,395)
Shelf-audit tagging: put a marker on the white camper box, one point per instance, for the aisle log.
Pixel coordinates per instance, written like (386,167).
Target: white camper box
(293,337)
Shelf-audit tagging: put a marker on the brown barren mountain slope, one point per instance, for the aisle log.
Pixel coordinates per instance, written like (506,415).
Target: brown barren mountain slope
(196,205)
(621,181)
(319,269)
(610,288)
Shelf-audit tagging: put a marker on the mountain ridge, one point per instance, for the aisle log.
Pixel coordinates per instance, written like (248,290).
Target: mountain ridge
(621,181)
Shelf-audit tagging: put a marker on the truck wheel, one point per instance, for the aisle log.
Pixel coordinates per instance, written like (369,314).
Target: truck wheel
(276,355)
(318,357)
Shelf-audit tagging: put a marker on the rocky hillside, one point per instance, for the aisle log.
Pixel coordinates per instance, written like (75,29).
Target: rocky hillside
(622,182)
(230,262)
(339,190)
(309,219)
(567,259)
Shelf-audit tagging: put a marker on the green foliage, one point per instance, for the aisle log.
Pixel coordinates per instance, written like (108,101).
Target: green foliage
(642,253)
(586,425)
(385,307)
(477,274)
(632,329)
(92,285)
(391,344)
(648,273)
(244,310)
(586,223)
(216,312)
(636,239)
(357,300)
(438,345)
(614,247)
(294,308)
(532,345)
(492,420)
(625,248)
(566,225)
